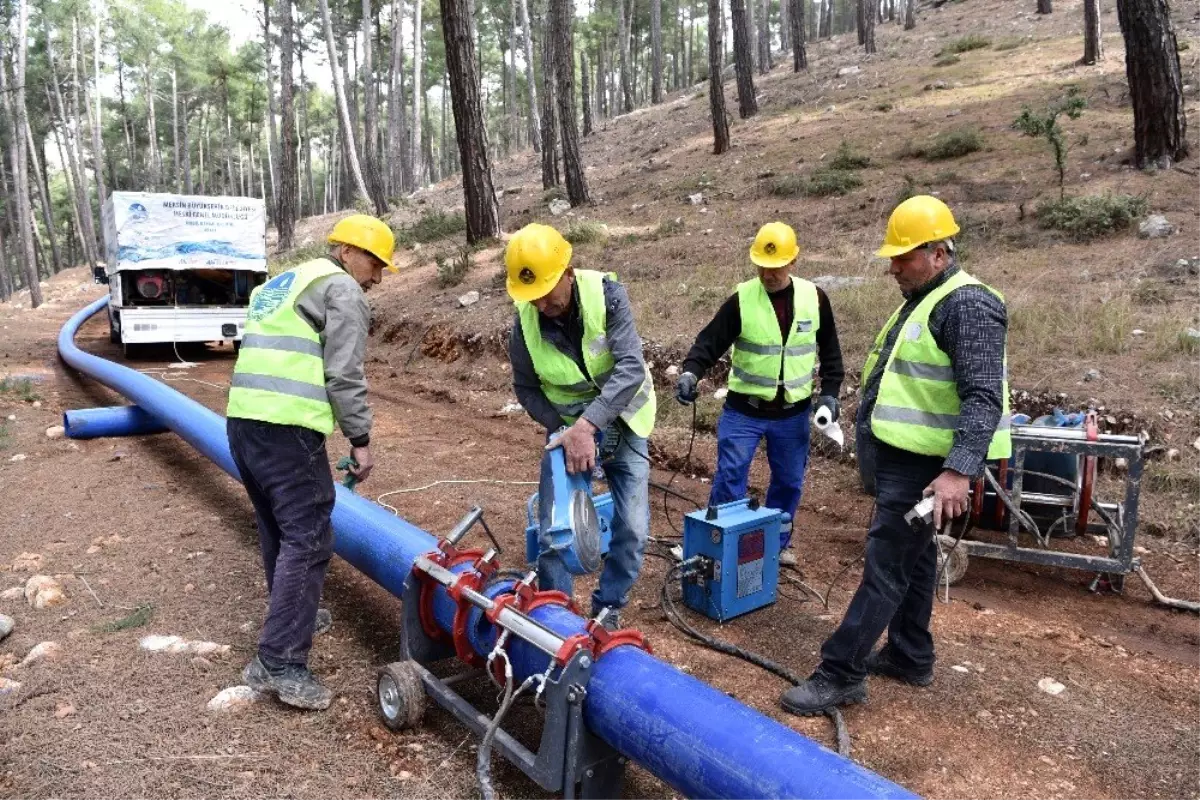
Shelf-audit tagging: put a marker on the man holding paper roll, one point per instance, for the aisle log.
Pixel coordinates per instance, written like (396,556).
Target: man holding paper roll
(577,364)
(784,340)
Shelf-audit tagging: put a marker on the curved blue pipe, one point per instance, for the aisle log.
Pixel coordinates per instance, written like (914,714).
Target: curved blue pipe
(695,738)
(93,423)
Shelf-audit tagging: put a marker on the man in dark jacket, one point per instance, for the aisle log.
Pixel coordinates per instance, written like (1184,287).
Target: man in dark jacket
(783,337)
(934,408)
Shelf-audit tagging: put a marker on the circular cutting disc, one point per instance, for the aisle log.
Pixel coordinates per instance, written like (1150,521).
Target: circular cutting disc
(585,524)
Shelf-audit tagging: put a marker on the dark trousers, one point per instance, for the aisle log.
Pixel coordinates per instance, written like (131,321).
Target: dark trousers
(286,473)
(897,589)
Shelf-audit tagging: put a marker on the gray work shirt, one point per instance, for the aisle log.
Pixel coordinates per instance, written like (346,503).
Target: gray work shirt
(566,334)
(337,310)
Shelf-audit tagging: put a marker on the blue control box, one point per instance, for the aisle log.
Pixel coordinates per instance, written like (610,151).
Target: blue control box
(741,541)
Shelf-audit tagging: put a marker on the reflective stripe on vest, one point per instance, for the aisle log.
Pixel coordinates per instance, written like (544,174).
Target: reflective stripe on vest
(280,373)
(760,355)
(567,388)
(918,404)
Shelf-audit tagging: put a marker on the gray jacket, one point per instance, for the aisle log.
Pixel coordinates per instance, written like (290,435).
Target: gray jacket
(336,308)
(566,334)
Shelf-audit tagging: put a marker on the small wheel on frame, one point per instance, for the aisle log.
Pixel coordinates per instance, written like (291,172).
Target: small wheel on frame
(952,560)
(401,695)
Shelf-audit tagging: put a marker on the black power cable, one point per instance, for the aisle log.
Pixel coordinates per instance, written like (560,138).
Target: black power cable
(672,614)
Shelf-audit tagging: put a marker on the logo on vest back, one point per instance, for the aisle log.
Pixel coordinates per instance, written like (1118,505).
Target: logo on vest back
(271,296)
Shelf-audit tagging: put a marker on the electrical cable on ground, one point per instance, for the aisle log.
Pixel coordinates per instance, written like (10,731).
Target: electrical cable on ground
(669,609)
(454,481)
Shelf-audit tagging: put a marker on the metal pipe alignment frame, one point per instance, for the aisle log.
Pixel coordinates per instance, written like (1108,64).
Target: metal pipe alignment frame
(693,737)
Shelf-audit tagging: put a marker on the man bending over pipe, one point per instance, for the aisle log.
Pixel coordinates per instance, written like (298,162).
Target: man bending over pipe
(934,407)
(577,361)
(301,368)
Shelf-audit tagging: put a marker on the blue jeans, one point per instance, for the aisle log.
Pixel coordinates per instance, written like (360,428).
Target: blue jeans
(627,472)
(286,473)
(897,588)
(738,436)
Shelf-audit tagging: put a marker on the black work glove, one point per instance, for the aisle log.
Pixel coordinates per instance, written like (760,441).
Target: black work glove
(830,402)
(686,388)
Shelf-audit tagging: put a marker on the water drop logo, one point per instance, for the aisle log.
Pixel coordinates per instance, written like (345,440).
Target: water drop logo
(138,212)
(268,299)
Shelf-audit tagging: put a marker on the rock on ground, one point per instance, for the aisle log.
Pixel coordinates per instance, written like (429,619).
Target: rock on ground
(1155,226)
(27,562)
(559,207)
(8,686)
(43,591)
(15,593)
(177,645)
(233,698)
(45,651)
(7,624)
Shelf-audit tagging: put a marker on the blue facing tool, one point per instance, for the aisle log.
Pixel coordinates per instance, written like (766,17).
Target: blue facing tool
(580,524)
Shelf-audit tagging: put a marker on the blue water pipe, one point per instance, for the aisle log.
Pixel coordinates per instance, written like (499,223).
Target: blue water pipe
(695,738)
(94,423)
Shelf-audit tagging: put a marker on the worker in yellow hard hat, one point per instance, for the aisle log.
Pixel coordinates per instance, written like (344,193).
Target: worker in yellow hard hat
(578,371)
(299,372)
(785,345)
(933,410)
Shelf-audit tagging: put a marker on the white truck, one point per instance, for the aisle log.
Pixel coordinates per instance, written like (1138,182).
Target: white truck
(180,268)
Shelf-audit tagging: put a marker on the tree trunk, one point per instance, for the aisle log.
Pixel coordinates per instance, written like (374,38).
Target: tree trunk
(1044,7)
(764,39)
(910,13)
(743,62)
(785,25)
(479,197)
(67,156)
(418,93)
(716,87)
(44,194)
(1093,45)
(308,148)
(656,67)
(860,21)
(18,156)
(77,142)
(97,143)
(176,161)
(796,18)
(550,174)
(397,132)
(286,205)
(1155,82)
(868,18)
(514,122)
(370,116)
(585,94)
(343,112)
(625,7)
(153,163)
(827,20)
(561,19)
(535,124)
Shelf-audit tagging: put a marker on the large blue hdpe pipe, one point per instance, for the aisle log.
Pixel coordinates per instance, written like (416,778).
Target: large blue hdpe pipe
(695,738)
(96,423)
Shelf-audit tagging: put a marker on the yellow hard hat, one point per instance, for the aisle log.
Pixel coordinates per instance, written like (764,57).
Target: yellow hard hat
(916,221)
(366,233)
(774,246)
(536,257)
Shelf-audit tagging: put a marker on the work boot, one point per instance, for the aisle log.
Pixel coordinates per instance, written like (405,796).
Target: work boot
(820,693)
(293,684)
(612,620)
(882,662)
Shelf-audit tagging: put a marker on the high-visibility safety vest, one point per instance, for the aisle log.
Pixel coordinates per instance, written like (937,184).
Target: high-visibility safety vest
(760,355)
(918,404)
(567,388)
(280,372)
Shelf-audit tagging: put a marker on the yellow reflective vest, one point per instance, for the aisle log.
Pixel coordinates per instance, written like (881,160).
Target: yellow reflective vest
(760,354)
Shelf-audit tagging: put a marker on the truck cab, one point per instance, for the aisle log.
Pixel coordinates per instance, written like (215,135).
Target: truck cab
(181,268)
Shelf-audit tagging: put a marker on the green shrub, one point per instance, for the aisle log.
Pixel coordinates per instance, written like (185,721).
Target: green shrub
(554,193)
(846,159)
(21,388)
(885,107)
(1008,44)
(585,233)
(828,181)
(452,270)
(953,144)
(432,225)
(670,227)
(909,189)
(965,45)
(946,61)
(1046,125)
(787,185)
(1091,216)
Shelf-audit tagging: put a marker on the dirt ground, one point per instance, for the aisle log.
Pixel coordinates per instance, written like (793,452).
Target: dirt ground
(146,521)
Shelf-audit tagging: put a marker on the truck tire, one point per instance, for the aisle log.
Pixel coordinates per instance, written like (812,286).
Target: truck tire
(133,352)
(114,333)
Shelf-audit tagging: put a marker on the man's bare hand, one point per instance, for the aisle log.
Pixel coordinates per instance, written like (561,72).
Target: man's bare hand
(579,445)
(950,497)
(366,462)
